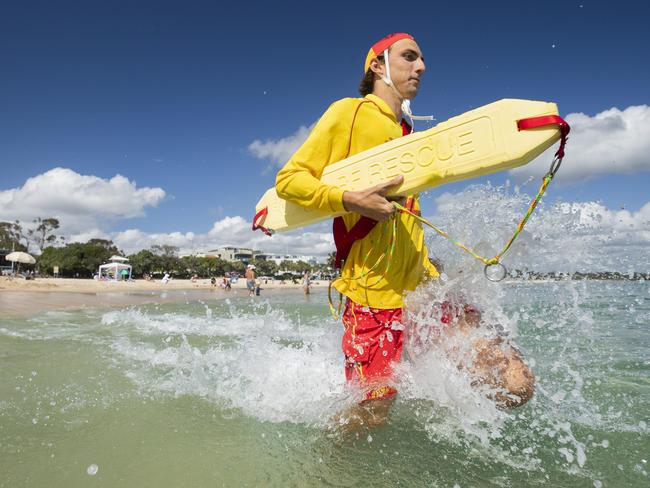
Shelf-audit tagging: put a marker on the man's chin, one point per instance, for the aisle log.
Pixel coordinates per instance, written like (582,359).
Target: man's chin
(410,92)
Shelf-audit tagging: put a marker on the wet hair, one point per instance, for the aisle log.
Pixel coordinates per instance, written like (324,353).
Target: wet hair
(367,84)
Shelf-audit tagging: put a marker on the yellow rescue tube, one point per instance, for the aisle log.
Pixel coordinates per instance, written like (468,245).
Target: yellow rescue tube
(479,142)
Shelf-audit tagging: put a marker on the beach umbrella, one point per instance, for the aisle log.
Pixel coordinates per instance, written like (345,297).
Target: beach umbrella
(20,257)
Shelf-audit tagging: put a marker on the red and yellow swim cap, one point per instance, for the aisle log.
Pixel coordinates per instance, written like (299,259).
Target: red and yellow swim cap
(380,46)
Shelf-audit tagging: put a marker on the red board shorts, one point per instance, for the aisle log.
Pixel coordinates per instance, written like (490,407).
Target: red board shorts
(371,342)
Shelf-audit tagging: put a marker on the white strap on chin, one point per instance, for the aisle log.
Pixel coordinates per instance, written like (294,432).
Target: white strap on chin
(386,76)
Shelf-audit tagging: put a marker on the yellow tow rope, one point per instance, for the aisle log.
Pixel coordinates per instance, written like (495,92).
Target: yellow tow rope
(497,258)
(385,256)
(493,261)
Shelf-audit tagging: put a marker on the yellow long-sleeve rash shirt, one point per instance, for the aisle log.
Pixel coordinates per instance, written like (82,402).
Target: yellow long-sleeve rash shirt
(350,126)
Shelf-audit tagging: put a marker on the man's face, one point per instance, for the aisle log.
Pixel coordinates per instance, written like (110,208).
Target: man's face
(406,67)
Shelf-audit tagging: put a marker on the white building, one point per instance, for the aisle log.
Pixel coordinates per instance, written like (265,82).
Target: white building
(232,253)
(292,258)
(245,255)
(227,253)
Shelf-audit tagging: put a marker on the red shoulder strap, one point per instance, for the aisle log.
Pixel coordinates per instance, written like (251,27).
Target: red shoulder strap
(406,128)
(344,238)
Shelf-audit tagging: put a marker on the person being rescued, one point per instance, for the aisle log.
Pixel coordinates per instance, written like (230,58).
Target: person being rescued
(455,328)
(496,362)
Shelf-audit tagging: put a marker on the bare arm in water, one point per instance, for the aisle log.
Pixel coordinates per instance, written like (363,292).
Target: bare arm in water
(497,363)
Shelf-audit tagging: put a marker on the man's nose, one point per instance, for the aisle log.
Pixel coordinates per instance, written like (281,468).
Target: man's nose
(420,66)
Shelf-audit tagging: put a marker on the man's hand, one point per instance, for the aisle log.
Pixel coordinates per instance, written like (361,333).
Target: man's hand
(372,202)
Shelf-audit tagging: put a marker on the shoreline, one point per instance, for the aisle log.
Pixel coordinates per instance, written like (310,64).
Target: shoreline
(87,285)
(23,298)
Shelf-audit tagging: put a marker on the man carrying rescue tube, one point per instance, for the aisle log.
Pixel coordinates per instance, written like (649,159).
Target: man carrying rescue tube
(373,282)
(381,258)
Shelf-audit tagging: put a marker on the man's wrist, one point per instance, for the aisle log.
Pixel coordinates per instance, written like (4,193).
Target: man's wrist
(347,200)
(335,198)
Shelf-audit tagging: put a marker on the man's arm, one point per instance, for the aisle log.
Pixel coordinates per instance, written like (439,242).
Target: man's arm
(299,180)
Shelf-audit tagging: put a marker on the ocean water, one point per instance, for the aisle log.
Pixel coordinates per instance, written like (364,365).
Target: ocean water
(243,392)
(246,392)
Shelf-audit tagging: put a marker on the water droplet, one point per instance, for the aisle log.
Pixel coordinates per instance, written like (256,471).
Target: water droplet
(92,469)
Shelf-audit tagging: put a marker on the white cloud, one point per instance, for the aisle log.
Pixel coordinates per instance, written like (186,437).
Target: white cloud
(85,236)
(87,206)
(279,152)
(612,141)
(133,240)
(561,236)
(233,228)
(80,202)
(232,231)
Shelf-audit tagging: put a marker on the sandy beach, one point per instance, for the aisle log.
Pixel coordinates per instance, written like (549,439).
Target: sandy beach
(25,297)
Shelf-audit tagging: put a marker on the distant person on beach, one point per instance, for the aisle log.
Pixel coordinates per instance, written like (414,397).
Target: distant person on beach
(250,279)
(306,282)
(165,279)
(373,285)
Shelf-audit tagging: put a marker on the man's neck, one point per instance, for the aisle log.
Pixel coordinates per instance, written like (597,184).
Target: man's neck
(388,95)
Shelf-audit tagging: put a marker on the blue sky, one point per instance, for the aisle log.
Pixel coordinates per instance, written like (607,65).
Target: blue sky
(171,94)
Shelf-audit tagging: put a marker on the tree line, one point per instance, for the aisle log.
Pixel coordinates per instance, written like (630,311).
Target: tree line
(76,259)
(83,260)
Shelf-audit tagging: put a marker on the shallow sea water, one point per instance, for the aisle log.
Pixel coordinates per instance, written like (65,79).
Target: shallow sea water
(241,392)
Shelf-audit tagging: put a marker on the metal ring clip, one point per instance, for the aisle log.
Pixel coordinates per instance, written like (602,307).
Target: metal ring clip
(497,274)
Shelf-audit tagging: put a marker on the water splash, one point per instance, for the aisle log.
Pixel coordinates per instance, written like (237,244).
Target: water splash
(277,366)
(559,237)
(263,364)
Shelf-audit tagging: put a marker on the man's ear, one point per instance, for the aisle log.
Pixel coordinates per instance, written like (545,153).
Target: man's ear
(377,67)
